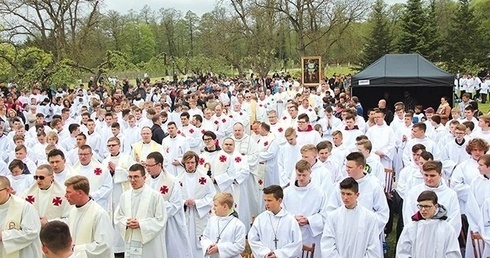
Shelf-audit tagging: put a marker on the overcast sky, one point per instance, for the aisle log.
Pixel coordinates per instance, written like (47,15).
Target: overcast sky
(197,6)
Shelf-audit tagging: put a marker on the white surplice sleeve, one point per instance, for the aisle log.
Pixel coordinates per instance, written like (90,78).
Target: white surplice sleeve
(235,247)
(17,239)
(226,179)
(316,221)
(293,248)
(174,204)
(204,204)
(103,235)
(105,190)
(154,223)
(328,241)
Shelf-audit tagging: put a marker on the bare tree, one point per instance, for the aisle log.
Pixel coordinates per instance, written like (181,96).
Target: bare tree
(314,20)
(58,26)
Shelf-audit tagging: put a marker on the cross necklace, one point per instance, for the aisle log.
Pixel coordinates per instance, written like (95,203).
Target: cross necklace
(275,231)
(221,232)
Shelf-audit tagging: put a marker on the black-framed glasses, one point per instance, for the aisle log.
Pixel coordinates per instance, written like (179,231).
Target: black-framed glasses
(39,177)
(208,139)
(424,207)
(150,166)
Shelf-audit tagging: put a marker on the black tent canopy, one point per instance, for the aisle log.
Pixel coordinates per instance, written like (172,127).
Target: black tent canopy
(394,74)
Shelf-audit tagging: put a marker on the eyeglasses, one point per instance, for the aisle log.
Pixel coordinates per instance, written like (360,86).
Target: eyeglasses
(39,177)
(208,139)
(424,207)
(134,177)
(150,166)
(4,189)
(112,145)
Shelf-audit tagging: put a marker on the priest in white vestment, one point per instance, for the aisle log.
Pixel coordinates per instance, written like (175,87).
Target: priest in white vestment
(267,173)
(47,196)
(173,147)
(223,122)
(217,163)
(197,198)
(117,163)
(142,148)
(310,214)
(90,225)
(224,235)
(141,218)
(275,232)
(20,225)
(248,148)
(99,177)
(244,186)
(428,234)
(177,239)
(350,230)
(191,133)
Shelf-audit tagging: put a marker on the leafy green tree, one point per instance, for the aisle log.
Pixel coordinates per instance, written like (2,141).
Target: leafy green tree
(146,43)
(432,34)
(413,25)
(379,39)
(462,44)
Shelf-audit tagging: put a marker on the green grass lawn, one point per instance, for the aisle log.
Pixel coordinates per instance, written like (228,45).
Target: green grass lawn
(484,108)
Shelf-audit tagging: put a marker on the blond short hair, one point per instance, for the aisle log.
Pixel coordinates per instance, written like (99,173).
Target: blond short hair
(79,183)
(224,198)
(302,166)
(308,147)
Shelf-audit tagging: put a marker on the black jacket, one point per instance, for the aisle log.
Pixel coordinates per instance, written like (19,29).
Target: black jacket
(157,133)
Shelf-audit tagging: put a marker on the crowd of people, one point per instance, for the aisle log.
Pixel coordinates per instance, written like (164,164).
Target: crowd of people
(209,166)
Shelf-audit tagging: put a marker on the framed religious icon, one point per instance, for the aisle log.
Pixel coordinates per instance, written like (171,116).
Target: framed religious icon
(311,67)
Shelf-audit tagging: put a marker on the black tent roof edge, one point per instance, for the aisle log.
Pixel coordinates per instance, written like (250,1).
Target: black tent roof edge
(402,70)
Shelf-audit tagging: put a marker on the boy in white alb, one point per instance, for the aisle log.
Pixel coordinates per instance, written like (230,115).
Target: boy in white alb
(310,214)
(224,235)
(358,223)
(275,233)
(428,234)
